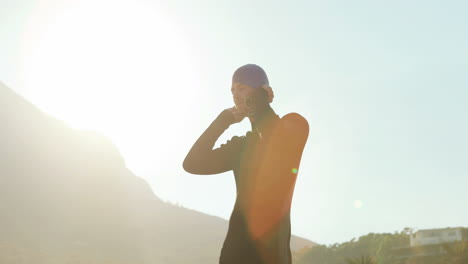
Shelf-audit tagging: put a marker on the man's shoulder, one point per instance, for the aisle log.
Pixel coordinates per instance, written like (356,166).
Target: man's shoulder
(235,141)
(294,130)
(295,122)
(238,139)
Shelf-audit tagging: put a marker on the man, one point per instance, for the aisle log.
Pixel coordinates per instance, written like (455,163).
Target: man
(265,163)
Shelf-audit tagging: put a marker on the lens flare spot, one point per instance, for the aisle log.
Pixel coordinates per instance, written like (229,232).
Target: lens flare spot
(357,204)
(294,170)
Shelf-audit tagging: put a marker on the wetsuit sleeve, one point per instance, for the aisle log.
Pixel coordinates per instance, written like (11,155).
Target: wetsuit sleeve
(296,130)
(203,159)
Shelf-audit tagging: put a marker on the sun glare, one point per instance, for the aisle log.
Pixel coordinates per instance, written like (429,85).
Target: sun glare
(358,204)
(110,66)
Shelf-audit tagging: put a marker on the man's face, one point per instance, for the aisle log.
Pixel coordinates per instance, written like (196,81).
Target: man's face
(240,93)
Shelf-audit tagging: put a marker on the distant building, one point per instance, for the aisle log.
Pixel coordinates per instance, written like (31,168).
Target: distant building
(428,244)
(436,236)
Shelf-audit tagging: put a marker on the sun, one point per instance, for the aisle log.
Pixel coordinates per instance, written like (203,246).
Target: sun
(109,66)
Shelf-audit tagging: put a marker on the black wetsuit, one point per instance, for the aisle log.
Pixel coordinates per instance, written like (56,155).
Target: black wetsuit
(265,163)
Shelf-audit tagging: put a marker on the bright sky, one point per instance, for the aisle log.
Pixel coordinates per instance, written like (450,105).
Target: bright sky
(383,85)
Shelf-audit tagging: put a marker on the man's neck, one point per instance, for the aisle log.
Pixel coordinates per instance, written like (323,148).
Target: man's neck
(260,120)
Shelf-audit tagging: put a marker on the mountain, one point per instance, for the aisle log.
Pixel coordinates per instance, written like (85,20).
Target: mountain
(67,197)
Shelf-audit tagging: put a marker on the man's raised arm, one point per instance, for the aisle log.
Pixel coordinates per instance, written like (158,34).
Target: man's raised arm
(202,158)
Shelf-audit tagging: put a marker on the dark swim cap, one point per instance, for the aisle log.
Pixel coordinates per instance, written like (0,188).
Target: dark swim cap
(251,75)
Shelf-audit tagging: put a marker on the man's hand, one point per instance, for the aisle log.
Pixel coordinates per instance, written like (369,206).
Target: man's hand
(236,114)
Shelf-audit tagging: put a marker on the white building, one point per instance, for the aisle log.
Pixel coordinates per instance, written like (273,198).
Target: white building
(436,236)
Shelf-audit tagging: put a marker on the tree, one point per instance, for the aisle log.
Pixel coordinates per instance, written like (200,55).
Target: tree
(457,253)
(361,260)
(379,246)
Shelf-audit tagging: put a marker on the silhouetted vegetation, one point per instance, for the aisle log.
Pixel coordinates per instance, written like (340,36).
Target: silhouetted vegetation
(385,249)
(457,253)
(361,260)
(377,246)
